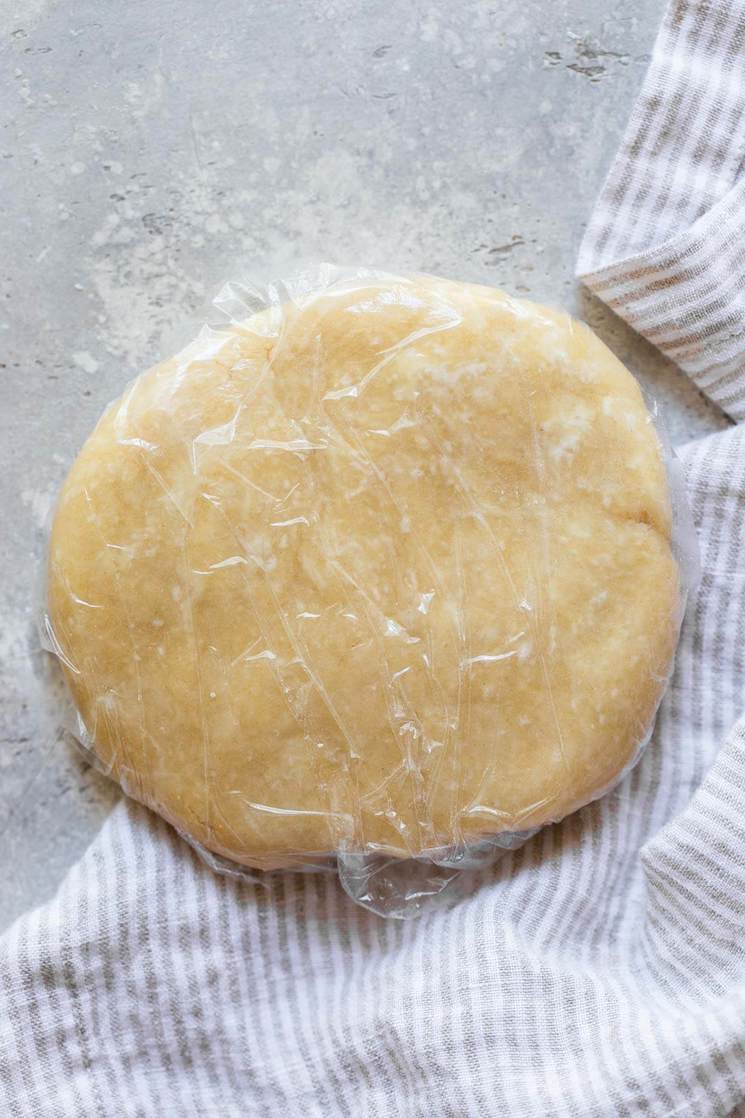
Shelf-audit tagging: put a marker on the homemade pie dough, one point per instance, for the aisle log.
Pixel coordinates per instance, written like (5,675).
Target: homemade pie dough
(385,568)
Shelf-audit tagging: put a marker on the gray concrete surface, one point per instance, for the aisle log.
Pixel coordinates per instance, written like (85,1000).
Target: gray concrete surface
(152,150)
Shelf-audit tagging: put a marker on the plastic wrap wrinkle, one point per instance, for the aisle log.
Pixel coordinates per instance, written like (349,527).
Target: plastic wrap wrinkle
(384,574)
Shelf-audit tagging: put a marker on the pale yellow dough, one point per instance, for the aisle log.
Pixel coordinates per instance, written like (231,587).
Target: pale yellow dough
(384,569)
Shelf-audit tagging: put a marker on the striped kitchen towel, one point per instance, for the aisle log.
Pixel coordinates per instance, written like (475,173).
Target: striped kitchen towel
(597,972)
(665,248)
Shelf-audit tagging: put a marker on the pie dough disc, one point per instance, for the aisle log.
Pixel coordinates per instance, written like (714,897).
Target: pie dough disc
(386,568)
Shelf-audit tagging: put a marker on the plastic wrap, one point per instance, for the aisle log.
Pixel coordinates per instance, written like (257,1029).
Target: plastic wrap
(379,576)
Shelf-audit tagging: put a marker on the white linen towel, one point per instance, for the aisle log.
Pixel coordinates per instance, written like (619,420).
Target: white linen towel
(599,971)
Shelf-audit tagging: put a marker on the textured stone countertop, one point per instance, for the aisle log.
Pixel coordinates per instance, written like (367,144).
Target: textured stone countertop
(151,151)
